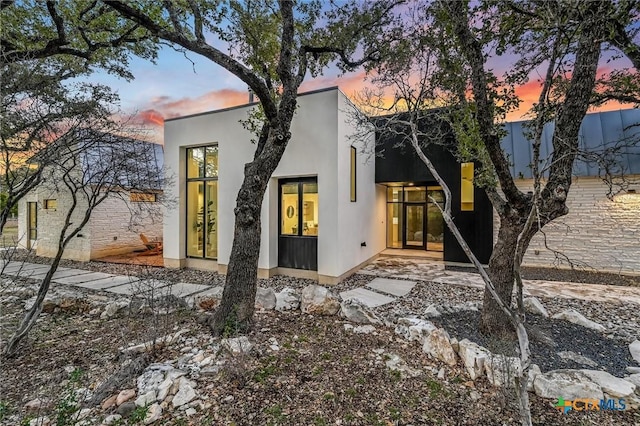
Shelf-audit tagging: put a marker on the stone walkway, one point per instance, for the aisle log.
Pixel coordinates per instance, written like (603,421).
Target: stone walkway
(118,284)
(424,269)
(395,277)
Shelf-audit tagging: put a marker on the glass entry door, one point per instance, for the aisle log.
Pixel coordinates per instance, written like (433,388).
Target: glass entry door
(414,226)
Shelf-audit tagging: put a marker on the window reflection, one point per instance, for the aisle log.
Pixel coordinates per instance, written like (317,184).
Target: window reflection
(310,209)
(211,165)
(202,202)
(299,208)
(289,209)
(195,160)
(195,203)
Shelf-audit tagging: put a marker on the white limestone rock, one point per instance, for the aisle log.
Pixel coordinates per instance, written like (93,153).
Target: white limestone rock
(534,306)
(394,362)
(113,308)
(580,359)
(111,419)
(154,412)
(287,300)
(569,384)
(576,317)
(635,379)
(438,345)
(40,421)
(534,370)
(237,345)
(611,385)
(355,311)
(186,393)
(473,357)
(163,389)
(414,329)
(146,399)
(149,381)
(319,300)
(634,349)
(265,299)
(364,329)
(502,370)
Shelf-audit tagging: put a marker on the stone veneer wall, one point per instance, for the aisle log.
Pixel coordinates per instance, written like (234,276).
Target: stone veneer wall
(50,222)
(598,232)
(116,224)
(112,218)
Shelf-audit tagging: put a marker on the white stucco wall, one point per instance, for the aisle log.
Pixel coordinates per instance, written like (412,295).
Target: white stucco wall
(318,147)
(360,221)
(598,232)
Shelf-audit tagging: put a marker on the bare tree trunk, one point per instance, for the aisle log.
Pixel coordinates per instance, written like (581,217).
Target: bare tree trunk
(235,312)
(501,271)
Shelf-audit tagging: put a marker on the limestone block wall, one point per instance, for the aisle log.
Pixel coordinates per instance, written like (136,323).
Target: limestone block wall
(597,233)
(116,224)
(50,222)
(113,228)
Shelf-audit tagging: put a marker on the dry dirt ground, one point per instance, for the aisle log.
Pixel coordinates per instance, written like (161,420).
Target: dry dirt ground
(322,374)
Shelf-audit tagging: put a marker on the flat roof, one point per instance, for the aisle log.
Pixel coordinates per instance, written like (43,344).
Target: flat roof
(311,92)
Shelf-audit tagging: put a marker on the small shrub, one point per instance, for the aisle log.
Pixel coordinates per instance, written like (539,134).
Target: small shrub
(67,407)
(138,415)
(4,410)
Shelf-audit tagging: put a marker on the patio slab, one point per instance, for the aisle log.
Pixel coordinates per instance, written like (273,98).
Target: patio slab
(367,297)
(188,289)
(79,279)
(31,272)
(61,273)
(14,267)
(392,287)
(106,283)
(142,288)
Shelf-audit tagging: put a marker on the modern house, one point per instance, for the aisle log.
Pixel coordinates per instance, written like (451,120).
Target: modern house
(331,206)
(129,171)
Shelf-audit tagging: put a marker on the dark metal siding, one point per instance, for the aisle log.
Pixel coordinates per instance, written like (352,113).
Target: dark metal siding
(298,252)
(397,162)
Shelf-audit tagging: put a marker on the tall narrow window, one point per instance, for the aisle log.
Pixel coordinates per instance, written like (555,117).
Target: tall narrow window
(32,221)
(353,174)
(202,202)
(299,208)
(466,187)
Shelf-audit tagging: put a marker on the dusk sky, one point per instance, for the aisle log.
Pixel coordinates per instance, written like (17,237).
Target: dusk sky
(175,87)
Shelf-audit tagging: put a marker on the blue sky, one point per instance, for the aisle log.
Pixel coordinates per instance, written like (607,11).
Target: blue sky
(175,86)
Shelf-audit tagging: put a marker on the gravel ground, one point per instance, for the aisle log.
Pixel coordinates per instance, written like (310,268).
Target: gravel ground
(622,320)
(559,336)
(587,276)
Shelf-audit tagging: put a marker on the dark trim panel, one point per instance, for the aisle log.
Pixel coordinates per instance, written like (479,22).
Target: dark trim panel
(397,162)
(296,251)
